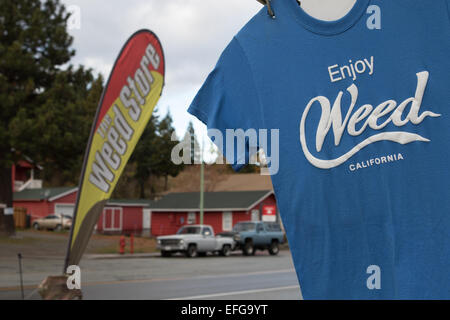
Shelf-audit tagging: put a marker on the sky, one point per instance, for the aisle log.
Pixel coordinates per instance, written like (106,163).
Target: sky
(193,34)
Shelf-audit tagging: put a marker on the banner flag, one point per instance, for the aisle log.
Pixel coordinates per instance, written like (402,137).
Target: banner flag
(130,95)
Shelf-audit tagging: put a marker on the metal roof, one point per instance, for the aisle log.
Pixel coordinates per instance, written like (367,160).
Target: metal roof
(51,194)
(129,202)
(225,200)
(40,194)
(180,201)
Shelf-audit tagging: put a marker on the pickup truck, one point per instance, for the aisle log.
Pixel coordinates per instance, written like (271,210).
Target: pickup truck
(257,235)
(193,240)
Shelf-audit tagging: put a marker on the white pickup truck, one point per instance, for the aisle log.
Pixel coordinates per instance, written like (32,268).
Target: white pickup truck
(193,240)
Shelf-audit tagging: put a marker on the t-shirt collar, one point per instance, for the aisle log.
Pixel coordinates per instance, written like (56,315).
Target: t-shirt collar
(328,27)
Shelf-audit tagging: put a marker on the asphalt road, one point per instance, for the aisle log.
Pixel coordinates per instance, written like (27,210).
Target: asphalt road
(236,277)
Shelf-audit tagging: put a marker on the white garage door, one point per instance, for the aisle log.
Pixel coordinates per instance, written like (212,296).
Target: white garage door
(66,209)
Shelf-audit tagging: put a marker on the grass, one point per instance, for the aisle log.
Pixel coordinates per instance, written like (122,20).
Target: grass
(49,232)
(12,240)
(98,244)
(141,245)
(115,249)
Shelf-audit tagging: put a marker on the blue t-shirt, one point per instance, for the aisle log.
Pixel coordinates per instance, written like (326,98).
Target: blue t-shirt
(362,105)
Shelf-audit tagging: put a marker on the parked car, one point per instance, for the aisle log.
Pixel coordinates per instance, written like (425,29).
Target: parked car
(257,235)
(193,240)
(56,222)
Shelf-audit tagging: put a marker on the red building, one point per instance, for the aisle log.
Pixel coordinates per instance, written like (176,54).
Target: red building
(221,209)
(22,175)
(125,216)
(44,201)
(118,215)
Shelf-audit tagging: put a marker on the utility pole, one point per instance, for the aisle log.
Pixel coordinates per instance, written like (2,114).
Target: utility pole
(201,182)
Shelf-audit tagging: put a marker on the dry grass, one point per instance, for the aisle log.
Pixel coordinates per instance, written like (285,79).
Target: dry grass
(141,245)
(48,243)
(14,241)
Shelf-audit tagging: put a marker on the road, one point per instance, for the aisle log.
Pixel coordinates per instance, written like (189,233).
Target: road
(236,277)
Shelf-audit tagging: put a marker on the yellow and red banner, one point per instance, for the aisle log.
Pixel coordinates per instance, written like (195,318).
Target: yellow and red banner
(130,95)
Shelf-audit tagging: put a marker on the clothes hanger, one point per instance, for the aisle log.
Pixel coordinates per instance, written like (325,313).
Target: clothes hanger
(269,7)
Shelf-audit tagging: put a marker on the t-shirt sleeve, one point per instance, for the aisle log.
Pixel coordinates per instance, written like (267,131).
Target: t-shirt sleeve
(228,103)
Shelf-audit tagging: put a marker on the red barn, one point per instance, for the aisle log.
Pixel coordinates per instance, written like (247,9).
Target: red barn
(222,210)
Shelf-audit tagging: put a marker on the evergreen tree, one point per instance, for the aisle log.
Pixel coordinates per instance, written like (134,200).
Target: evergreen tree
(43,109)
(166,166)
(192,145)
(56,132)
(152,155)
(146,155)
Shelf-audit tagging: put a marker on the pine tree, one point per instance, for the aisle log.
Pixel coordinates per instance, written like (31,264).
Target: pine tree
(146,155)
(166,166)
(192,145)
(44,110)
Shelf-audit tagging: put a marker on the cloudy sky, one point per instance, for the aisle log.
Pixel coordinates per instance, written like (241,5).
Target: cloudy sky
(193,34)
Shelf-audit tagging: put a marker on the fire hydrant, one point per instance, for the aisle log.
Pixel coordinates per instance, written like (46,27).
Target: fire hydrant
(122,245)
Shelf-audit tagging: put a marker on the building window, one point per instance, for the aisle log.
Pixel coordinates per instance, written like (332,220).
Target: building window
(255,215)
(227,221)
(112,219)
(191,218)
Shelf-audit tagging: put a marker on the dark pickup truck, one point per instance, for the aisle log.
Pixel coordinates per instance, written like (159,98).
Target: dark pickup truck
(256,235)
